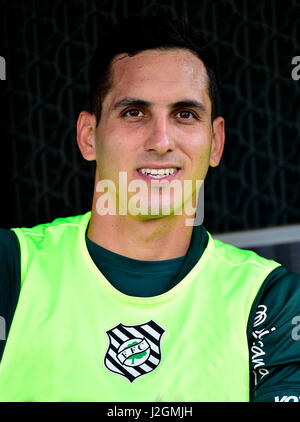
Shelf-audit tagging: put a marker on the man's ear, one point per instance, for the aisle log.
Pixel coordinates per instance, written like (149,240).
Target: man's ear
(86,135)
(217,141)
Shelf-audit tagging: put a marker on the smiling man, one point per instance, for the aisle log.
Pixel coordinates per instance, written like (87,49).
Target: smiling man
(138,305)
(156,127)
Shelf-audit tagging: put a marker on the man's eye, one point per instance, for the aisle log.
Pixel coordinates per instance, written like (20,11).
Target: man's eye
(186,115)
(133,112)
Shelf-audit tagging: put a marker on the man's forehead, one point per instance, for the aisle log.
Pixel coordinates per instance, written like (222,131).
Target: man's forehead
(173,74)
(178,59)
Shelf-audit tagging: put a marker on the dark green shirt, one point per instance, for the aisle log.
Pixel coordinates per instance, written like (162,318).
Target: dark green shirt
(273,327)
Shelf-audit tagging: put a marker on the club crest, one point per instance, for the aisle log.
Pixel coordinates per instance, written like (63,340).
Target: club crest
(133,350)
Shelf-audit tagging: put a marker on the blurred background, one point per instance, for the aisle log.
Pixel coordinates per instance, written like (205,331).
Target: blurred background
(252,199)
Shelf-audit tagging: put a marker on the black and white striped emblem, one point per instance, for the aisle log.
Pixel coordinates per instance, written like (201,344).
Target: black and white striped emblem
(134,350)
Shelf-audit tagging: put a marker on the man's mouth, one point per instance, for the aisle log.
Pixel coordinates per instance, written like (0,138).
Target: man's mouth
(158,173)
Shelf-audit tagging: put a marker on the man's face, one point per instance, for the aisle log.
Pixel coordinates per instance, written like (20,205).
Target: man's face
(156,118)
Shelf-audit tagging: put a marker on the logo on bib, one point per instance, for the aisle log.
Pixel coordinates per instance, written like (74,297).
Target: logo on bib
(134,350)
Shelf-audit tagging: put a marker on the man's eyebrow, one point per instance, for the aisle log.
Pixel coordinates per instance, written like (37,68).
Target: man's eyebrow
(129,101)
(190,104)
(136,102)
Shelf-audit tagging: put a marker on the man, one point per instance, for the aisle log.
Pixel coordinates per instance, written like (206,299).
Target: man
(130,302)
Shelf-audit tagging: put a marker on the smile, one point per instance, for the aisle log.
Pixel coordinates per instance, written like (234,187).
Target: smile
(158,173)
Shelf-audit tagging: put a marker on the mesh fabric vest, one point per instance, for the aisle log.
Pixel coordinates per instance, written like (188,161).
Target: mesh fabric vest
(74,337)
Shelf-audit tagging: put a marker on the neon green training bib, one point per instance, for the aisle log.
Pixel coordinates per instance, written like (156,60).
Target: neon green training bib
(74,337)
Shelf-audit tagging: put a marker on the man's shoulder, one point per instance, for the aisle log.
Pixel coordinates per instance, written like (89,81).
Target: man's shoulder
(49,235)
(60,222)
(239,257)
(40,231)
(8,245)
(7,236)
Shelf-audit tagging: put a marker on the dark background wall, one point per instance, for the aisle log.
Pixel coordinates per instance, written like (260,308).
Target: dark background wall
(47,46)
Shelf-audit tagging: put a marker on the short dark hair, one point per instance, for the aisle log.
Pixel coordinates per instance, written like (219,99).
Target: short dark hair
(134,35)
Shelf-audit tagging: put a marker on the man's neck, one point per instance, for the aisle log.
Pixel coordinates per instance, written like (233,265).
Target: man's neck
(148,240)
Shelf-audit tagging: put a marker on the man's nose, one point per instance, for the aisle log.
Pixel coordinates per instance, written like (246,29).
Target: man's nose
(159,138)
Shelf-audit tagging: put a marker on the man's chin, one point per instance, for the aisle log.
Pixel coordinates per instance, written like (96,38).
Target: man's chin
(156,212)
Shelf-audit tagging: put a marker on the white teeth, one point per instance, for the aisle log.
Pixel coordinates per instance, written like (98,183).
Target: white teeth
(158,173)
